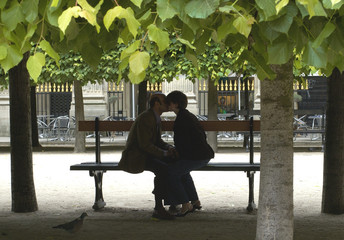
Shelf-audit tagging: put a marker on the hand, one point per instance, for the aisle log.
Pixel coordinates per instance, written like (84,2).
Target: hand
(173,153)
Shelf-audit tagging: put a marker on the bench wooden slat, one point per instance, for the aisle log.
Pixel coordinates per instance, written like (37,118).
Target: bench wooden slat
(212,166)
(229,125)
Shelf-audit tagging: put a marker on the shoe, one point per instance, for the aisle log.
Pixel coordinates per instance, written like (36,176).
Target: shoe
(184,212)
(173,209)
(197,205)
(162,214)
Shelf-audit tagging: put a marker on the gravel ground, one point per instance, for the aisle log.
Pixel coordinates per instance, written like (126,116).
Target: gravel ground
(63,195)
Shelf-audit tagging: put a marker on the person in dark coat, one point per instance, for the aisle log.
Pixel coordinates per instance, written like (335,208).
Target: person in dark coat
(193,152)
(145,150)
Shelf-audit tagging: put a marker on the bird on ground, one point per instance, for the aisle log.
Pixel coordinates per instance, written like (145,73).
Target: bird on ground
(73,226)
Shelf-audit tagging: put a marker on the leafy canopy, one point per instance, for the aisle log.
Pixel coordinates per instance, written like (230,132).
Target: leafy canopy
(262,32)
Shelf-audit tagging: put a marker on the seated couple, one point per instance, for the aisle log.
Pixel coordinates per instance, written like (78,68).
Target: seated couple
(145,150)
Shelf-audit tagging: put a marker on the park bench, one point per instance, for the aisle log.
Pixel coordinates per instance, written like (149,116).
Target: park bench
(97,168)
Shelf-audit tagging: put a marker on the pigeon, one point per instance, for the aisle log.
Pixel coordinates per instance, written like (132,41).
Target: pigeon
(74,225)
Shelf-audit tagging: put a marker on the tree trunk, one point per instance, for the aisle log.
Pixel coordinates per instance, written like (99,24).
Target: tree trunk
(142,101)
(23,188)
(35,139)
(275,211)
(80,138)
(212,113)
(333,191)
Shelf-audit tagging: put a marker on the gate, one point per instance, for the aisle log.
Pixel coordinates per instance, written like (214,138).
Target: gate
(53,100)
(116,101)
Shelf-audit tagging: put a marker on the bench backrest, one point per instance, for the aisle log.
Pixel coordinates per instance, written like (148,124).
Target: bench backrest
(228,125)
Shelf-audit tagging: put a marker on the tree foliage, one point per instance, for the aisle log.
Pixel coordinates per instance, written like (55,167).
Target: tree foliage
(265,32)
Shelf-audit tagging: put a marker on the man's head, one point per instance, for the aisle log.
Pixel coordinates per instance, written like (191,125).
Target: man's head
(158,102)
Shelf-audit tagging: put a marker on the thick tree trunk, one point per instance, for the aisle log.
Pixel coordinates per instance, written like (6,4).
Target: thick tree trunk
(35,139)
(80,138)
(275,211)
(23,188)
(212,113)
(333,191)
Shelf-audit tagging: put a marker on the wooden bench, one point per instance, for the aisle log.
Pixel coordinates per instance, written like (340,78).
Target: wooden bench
(97,168)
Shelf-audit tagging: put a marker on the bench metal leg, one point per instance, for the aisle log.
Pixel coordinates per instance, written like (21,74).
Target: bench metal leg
(98,180)
(251,205)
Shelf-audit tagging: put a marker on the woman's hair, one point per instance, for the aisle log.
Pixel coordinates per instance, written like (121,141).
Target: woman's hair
(177,97)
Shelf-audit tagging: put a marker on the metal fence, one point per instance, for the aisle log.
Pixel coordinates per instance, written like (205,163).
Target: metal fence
(116,101)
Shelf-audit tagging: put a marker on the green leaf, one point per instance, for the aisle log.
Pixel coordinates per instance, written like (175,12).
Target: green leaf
(314,56)
(91,53)
(2,4)
(137,78)
(268,31)
(191,22)
(334,58)
(66,17)
(138,62)
(123,64)
(333,4)
(186,42)
(30,10)
(34,65)
(327,31)
(137,3)
(145,16)
(31,28)
(201,8)
(201,42)
(12,16)
(3,52)
(160,37)
(53,16)
(283,23)
(243,24)
(13,58)
(228,9)
(119,12)
(268,7)
(190,55)
(90,13)
(263,70)
(45,45)
(165,9)
(314,7)
(319,10)
(226,28)
(337,42)
(299,36)
(280,52)
(281,4)
(54,3)
(302,9)
(130,50)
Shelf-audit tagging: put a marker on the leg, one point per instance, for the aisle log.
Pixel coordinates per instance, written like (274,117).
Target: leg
(159,168)
(98,180)
(182,186)
(251,205)
(189,187)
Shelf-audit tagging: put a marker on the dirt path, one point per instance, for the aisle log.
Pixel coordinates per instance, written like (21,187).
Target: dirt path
(63,195)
